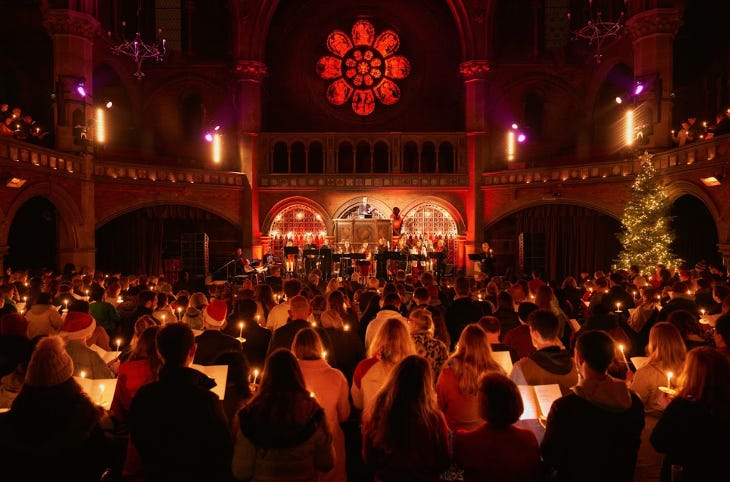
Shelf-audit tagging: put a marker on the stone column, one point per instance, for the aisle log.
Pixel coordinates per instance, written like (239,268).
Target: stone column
(73,35)
(250,74)
(652,34)
(724,249)
(475,73)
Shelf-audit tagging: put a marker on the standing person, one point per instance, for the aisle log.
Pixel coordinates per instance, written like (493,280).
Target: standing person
(176,423)
(457,385)
(693,431)
(594,432)
(330,388)
(282,432)
(52,430)
(666,355)
(139,369)
(551,363)
(392,343)
(497,449)
(405,436)
(463,311)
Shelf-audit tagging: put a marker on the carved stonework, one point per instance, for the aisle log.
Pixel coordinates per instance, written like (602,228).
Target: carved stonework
(69,22)
(251,70)
(474,69)
(659,20)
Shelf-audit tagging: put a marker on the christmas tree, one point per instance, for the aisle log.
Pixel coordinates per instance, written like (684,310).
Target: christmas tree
(647,234)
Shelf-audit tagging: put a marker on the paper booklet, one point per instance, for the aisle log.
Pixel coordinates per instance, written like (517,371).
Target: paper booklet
(107,356)
(504,359)
(100,391)
(574,325)
(639,361)
(538,399)
(219,373)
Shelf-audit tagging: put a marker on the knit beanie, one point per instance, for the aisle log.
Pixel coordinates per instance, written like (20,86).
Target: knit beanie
(193,317)
(49,365)
(77,325)
(215,313)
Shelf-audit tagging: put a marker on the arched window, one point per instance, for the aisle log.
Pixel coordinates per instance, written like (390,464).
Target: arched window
(345,160)
(362,158)
(410,157)
(316,158)
(295,223)
(446,158)
(534,114)
(428,157)
(431,226)
(298,158)
(280,158)
(381,163)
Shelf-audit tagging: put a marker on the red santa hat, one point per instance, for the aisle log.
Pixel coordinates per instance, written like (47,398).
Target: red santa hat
(77,325)
(215,313)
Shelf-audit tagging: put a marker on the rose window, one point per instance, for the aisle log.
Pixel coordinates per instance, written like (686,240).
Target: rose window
(363,68)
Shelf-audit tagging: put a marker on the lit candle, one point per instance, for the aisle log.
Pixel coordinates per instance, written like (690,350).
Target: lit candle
(82,374)
(179,313)
(618,307)
(346,327)
(119,343)
(65,302)
(314,324)
(163,319)
(119,299)
(258,319)
(87,292)
(240,330)
(101,394)
(311,394)
(702,312)
(669,379)
(255,375)
(324,354)
(25,299)
(623,355)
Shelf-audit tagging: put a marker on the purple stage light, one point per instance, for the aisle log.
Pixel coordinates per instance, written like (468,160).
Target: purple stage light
(208,137)
(81,90)
(639,88)
(521,138)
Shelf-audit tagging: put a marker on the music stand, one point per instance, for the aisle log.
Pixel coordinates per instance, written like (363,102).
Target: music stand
(291,250)
(476,256)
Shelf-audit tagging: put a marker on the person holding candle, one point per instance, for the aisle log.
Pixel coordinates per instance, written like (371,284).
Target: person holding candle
(594,431)
(331,391)
(282,432)
(666,353)
(52,430)
(43,318)
(139,369)
(339,326)
(78,327)
(105,313)
(693,430)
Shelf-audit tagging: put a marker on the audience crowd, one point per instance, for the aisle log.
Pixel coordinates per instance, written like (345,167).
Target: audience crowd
(20,125)
(400,379)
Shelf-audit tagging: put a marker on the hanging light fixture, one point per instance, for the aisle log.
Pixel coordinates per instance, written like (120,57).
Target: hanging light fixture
(137,49)
(598,31)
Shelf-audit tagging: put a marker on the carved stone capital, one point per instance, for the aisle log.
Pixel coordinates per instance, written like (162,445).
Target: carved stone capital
(474,69)
(251,70)
(655,21)
(70,22)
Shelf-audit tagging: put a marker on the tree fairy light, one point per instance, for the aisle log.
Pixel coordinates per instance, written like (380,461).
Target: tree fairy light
(646,236)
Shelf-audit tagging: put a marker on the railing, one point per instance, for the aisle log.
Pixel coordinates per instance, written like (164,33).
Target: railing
(693,153)
(125,171)
(360,181)
(27,154)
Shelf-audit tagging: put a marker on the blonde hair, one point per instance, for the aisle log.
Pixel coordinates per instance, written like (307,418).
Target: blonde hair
(307,345)
(422,319)
(666,347)
(331,319)
(472,359)
(392,342)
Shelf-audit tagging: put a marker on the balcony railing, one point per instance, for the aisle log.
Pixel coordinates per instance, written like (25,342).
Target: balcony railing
(164,174)
(664,161)
(27,154)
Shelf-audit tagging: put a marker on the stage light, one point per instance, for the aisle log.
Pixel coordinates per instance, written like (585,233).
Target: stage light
(109,105)
(639,88)
(521,138)
(515,126)
(81,89)
(619,100)
(208,137)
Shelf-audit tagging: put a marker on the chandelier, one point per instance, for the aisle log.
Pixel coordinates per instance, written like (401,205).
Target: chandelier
(598,31)
(137,49)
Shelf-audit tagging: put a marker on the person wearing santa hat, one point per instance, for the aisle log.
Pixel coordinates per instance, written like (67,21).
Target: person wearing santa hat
(76,330)
(213,342)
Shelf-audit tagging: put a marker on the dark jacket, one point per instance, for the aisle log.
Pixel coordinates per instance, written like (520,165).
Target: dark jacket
(462,312)
(283,337)
(52,433)
(179,429)
(594,433)
(213,343)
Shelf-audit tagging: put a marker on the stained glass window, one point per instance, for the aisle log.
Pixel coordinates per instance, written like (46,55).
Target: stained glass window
(363,68)
(433,225)
(296,223)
